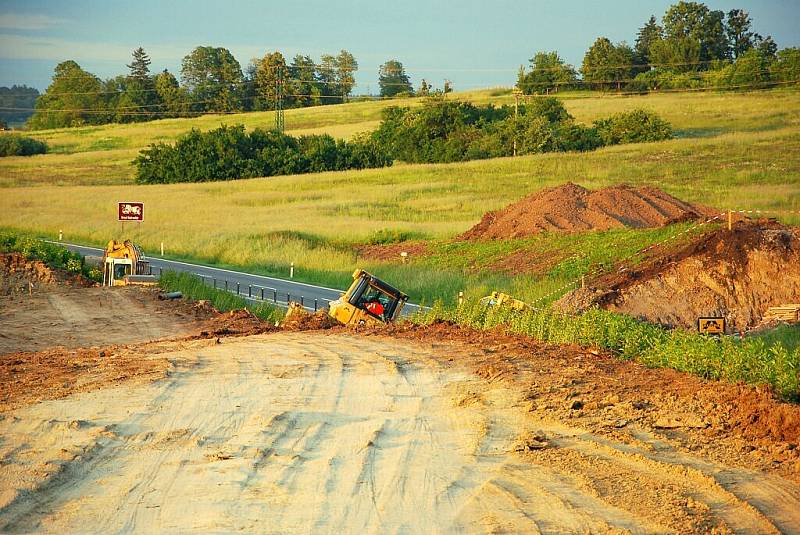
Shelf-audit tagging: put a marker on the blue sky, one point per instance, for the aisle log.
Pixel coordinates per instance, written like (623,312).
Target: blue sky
(473,43)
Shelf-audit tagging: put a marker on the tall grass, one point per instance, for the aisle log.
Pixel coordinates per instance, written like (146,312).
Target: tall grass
(753,361)
(193,287)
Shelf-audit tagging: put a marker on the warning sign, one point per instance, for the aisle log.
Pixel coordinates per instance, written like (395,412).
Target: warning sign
(711,325)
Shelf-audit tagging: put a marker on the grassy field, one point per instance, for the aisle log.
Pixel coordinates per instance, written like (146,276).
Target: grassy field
(732,151)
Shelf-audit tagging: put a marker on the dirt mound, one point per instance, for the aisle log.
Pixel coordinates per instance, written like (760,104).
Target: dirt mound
(20,275)
(573,208)
(309,322)
(736,273)
(240,322)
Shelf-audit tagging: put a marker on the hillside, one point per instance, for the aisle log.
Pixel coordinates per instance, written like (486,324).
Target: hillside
(732,151)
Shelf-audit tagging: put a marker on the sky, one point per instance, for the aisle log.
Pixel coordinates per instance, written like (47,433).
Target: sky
(472,43)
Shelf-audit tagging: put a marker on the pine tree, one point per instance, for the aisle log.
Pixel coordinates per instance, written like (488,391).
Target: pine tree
(648,33)
(140,66)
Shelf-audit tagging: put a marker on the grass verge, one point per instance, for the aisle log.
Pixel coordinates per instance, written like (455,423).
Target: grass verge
(194,288)
(757,360)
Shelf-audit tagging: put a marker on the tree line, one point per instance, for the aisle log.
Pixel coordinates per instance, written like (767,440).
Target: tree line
(211,80)
(692,47)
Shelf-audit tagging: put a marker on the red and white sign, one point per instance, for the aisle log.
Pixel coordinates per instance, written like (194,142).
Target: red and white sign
(130,211)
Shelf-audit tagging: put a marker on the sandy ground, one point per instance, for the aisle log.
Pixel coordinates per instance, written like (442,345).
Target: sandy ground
(336,433)
(83,317)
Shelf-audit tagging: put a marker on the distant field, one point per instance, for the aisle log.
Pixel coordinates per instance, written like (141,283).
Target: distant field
(736,151)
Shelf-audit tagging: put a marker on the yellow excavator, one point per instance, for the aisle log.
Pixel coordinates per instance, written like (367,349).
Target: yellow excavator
(368,301)
(124,264)
(499,299)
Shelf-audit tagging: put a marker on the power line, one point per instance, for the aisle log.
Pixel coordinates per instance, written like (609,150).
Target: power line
(759,85)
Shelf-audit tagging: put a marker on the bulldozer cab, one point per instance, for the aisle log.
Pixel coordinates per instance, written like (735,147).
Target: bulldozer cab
(369,300)
(123,262)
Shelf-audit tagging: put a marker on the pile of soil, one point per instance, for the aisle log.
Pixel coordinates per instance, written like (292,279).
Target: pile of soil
(736,273)
(20,275)
(240,322)
(573,208)
(302,321)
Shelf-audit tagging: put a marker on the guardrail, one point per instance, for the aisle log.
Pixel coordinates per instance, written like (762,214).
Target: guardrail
(258,294)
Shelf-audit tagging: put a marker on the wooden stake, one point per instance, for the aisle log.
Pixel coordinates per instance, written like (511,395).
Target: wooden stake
(730,219)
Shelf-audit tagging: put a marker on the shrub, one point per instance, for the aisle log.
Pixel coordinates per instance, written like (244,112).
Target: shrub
(14,145)
(51,254)
(636,126)
(229,153)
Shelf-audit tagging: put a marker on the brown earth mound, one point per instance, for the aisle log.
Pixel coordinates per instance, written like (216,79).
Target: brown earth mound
(573,208)
(736,273)
(20,275)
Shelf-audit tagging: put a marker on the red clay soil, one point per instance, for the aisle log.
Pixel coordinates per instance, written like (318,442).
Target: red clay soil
(738,274)
(573,208)
(392,251)
(20,275)
(736,423)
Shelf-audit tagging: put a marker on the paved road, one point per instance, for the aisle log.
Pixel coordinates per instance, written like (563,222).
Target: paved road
(278,291)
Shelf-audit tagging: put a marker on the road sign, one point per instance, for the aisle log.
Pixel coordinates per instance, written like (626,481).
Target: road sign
(711,325)
(130,211)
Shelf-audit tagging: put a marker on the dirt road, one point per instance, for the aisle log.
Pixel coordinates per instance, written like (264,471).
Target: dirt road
(305,432)
(82,317)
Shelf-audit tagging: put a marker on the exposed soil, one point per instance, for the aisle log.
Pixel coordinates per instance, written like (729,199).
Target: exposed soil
(19,275)
(737,274)
(573,208)
(327,431)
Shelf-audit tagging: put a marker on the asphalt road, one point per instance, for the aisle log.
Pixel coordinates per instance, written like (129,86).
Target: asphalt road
(250,286)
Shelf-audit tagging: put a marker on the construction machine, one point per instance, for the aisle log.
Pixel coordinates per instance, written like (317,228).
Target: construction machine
(124,263)
(368,301)
(499,299)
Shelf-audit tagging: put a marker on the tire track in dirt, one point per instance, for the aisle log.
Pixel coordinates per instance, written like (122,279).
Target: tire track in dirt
(304,432)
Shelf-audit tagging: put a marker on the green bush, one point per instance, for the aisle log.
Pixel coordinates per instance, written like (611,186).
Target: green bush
(637,126)
(51,254)
(229,153)
(14,145)
(752,360)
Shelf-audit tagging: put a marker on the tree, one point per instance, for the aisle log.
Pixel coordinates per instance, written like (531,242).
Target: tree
(606,65)
(20,98)
(328,80)
(695,21)
(766,46)
(213,78)
(648,34)
(303,82)
(677,54)
(424,89)
(140,66)
(393,80)
(346,65)
(270,72)
(173,98)
(548,73)
(73,98)
(737,28)
(786,67)
(448,87)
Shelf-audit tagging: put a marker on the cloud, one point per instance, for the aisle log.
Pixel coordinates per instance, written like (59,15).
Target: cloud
(54,49)
(12,21)
(49,48)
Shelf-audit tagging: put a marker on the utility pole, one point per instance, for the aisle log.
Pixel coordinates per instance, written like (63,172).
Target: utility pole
(517,93)
(279,123)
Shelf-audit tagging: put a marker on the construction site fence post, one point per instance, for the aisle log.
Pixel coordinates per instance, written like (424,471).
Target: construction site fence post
(215,283)
(301,300)
(288,298)
(274,296)
(226,285)
(262,294)
(249,291)
(460,298)
(315,305)
(237,289)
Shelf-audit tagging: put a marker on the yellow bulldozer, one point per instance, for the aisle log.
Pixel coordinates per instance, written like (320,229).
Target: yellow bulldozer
(369,300)
(124,264)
